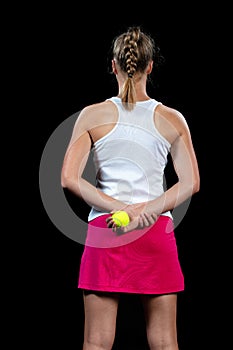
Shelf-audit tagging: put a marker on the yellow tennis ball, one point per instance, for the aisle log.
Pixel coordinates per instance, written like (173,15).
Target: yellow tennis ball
(121,218)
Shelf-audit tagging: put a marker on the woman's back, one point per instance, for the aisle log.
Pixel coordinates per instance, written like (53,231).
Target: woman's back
(131,156)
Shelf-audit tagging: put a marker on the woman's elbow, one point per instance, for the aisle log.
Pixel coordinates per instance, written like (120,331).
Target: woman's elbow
(190,187)
(64,178)
(71,183)
(196,186)
(67,181)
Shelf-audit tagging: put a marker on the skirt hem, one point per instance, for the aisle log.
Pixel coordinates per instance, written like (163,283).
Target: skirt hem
(129,290)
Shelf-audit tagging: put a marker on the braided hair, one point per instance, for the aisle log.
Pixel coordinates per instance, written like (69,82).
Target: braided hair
(133,51)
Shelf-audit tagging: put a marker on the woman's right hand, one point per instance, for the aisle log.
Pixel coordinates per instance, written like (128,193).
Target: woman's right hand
(139,219)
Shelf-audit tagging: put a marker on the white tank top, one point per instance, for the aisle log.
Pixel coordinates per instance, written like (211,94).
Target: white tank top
(131,158)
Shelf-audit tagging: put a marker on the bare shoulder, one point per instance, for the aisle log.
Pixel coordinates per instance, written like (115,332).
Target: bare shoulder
(170,122)
(96,119)
(98,114)
(170,115)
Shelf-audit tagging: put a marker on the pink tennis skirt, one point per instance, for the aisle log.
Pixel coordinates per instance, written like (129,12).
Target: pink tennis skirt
(141,261)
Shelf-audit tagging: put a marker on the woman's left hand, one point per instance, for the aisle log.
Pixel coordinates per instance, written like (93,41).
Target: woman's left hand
(138,219)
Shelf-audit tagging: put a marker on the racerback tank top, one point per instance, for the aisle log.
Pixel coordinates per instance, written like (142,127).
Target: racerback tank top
(130,159)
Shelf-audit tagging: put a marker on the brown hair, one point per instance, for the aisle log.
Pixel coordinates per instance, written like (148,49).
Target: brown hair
(133,51)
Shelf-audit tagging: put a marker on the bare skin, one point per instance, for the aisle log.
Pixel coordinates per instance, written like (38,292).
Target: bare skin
(94,122)
(160,315)
(100,320)
(98,120)
(101,313)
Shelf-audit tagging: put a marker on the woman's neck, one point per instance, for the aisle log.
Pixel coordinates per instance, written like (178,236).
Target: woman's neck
(140,88)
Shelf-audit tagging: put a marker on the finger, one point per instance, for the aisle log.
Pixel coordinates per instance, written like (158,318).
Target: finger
(131,226)
(140,222)
(111,223)
(114,227)
(150,218)
(108,220)
(144,219)
(155,216)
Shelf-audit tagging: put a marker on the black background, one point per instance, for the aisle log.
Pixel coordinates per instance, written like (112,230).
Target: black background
(71,70)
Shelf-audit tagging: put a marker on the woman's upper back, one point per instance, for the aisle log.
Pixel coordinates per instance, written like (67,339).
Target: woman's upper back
(101,118)
(129,153)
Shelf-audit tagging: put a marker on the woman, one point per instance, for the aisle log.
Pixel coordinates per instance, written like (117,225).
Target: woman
(131,136)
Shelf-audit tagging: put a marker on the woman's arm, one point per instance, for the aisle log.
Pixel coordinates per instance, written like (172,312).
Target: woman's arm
(74,163)
(186,167)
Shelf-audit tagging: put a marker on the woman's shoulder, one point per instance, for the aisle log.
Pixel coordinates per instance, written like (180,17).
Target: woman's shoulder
(171,115)
(168,112)
(99,107)
(170,122)
(98,113)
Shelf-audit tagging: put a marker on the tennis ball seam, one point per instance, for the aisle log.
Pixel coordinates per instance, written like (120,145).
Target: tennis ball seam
(118,221)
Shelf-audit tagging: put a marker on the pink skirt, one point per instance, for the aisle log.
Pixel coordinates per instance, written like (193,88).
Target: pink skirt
(141,261)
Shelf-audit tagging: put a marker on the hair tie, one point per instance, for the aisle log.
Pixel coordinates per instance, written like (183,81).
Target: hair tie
(130,75)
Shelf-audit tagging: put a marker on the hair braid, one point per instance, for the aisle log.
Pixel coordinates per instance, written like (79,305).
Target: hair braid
(133,51)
